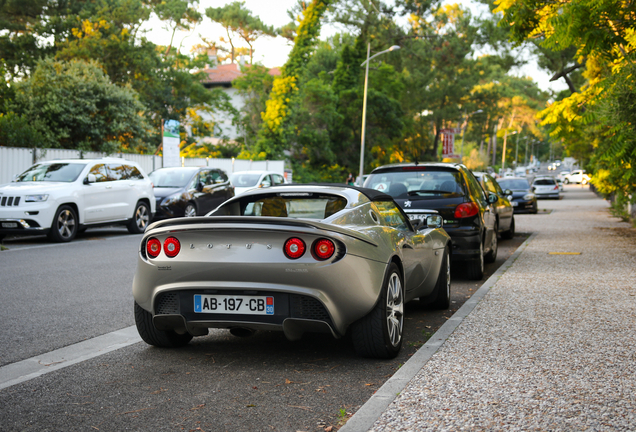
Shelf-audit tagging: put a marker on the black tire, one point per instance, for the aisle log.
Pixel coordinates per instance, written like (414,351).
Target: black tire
(190,210)
(491,256)
(140,219)
(64,226)
(511,232)
(379,334)
(475,268)
(158,338)
(566,181)
(443,285)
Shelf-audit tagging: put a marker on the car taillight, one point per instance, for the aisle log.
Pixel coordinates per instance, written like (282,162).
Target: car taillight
(153,247)
(294,248)
(465,210)
(323,249)
(171,247)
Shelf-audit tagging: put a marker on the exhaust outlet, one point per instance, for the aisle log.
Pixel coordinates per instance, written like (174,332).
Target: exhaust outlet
(241,332)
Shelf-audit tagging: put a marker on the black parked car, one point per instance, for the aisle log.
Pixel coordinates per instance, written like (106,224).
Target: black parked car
(503,207)
(452,191)
(189,191)
(523,198)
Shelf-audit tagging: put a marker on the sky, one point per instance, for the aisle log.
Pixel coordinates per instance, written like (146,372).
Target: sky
(273,52)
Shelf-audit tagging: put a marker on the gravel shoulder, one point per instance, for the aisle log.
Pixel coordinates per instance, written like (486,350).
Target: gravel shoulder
(550,346)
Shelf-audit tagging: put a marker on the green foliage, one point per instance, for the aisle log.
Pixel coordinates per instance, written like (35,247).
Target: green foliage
(273,139)
(80,108)
(20,131)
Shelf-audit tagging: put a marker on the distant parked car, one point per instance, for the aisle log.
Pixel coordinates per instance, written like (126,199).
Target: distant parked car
(503,207)
(523,197)
(246,180)
(546,187)
(577,176)
(452,191)
(60,198)
(189,191)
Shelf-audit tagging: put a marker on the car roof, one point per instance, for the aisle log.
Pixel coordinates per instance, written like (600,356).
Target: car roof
(256,172)
(91,160)
(391,167)
(341,188)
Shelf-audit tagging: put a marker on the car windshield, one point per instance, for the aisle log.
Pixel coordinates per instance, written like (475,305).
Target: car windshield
(54,172)
(244,179)
(514,184)
(424,184)
(172,177)
(306,205)
(544,182)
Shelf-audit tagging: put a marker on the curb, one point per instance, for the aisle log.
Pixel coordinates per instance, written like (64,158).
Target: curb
(371,411)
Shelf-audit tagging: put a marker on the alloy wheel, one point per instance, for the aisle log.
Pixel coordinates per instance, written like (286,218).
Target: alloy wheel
(394,309)
(142,217)
(66,224)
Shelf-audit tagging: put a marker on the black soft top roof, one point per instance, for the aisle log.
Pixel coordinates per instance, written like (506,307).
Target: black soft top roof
(372,194)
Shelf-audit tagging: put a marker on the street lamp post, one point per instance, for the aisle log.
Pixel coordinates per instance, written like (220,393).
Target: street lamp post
(364,101)
(464,125)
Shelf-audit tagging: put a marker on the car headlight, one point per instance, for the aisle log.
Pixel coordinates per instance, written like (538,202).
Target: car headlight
(36,198)
(171,199)
(528,196)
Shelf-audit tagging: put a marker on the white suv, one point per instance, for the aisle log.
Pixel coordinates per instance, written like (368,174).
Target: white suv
(62,197)
(577,177)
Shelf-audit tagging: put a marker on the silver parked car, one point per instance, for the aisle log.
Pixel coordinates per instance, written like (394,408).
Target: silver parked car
(294,258)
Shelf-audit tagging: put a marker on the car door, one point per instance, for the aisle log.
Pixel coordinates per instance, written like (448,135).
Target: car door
(487,212)
(125,196)
(99,196)
(416,247)
(202,193)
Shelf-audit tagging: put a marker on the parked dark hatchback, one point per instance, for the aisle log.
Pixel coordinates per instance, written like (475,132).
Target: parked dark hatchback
(189,191)
(523,198)
(452,191)
(503,207)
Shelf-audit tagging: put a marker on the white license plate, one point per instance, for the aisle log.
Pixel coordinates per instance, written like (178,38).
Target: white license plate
(9,225)
(515,203)
(234,304)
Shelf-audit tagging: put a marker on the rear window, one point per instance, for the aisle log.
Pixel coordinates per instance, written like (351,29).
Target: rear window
(429,183)
(305,205)
(514,184)
(544,182)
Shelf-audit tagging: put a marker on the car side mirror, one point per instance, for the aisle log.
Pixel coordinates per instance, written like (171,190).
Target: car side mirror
(416,224)
(435,221)
(90,179)
(533,188)
(492,198)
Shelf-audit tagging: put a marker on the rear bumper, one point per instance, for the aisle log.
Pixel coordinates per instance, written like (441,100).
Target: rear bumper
(465,243)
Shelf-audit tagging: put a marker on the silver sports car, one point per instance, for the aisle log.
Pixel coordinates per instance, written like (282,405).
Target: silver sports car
(296,258)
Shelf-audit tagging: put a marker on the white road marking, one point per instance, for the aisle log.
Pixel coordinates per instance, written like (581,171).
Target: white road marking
(25,370)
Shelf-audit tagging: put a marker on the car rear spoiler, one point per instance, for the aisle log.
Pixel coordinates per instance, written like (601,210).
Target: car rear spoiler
(260,220)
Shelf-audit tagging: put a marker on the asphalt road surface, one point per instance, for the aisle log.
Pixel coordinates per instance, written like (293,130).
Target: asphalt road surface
(56,295)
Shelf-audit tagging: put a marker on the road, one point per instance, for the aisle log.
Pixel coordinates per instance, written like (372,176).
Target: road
(55,295)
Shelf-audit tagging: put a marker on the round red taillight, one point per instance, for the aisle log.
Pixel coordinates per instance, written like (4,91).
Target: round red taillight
(153,247)
(171,247)
(323,249)
(466,210)
(294,248)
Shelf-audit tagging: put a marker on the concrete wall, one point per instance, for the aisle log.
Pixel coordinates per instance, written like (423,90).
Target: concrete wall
(14,161)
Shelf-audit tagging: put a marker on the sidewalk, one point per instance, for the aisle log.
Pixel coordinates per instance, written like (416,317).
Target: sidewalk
(550,346)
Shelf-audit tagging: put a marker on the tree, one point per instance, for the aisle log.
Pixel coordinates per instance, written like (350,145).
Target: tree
(80,108)
(272,136)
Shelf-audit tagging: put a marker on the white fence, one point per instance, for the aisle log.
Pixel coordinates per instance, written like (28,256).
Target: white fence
(13,161)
